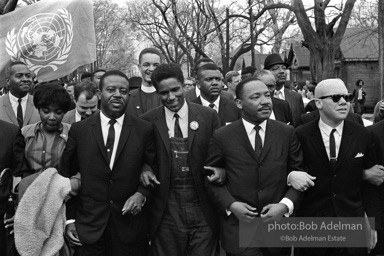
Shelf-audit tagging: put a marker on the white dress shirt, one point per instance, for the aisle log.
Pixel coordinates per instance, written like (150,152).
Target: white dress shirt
(206,103)
(281,92)
(105,128)
(15,103)
(183,120)
(77,116)
(326,132)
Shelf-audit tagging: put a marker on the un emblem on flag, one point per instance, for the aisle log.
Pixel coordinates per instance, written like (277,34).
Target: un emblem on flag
(43,40)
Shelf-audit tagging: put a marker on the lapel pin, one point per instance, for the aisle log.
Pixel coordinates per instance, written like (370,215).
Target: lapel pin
(194,125)
(137,107)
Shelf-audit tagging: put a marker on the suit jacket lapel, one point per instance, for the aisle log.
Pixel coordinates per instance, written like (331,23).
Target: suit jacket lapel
(243,138)
(137,103)
(98,134)
(9,110)
(221,108)
(270,135)
(318,144)
(125,131)
(161,124)
(345,145)
(29,110)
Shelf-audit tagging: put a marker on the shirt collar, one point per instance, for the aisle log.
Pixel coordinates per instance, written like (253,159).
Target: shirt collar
(14,99)
(183,112)
(328,129)
(282,91)
(206,103)
(147,89)
(249,126)
(77,116)
(105,120)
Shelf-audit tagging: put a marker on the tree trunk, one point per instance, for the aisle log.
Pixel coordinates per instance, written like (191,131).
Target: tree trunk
(381,48)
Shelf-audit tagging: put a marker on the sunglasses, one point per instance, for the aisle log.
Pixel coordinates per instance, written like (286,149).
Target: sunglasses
(337,97)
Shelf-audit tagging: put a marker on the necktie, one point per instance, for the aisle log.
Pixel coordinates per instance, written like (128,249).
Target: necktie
(279,95)
(212,105)
(177,129)
(110,138)
(332,148)
(20,114)
(258,143)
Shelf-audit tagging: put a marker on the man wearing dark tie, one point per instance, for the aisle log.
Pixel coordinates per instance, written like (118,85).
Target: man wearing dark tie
(257,154)
(183,219)
(109,150)
(17,106)
(209,81)
(336,152)
(275,63)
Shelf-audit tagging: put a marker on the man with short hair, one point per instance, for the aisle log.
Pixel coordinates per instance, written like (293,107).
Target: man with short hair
(85,96)
(275,63)
(232,78)
(336,152)
(257,154)
(17,106)
(280,108)
(247,72)
(109,149)
(183,220)
(85,76)
(96,76)
(70,88)
(145,98)
(209,82)
(193,94)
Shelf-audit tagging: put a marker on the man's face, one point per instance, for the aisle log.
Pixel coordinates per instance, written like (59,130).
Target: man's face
(97,76)
(114,96)
(86,107)
(280,73)
(333,112)
(51,117)
(209,82)
(188,85)
(255,102)
(269,81)
(148,64)
(171,94)
(70,90)
(20,80)
(235,81)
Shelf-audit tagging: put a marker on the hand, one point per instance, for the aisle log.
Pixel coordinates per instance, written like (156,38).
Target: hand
(273,212)
(373,240)
(71,234)
(243,211)
(133,204)
(75,184)
(8,223)
(300,181)
(218,176)
(381,106)
(374,175)
(148,179)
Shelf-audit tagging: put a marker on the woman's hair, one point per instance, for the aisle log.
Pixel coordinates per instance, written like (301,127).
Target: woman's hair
(52,95)
(358,82)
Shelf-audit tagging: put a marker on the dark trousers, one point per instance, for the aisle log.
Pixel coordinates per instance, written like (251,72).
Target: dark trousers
(110,245)
(184,229)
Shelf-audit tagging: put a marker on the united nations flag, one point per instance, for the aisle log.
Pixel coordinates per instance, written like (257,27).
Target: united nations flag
(52,37)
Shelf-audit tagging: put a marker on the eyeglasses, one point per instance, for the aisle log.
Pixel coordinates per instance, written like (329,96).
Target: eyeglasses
(337,97)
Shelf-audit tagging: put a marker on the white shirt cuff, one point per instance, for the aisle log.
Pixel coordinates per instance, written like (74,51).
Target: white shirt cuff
(289,204)
(289,183)
(228,212)
(69,221)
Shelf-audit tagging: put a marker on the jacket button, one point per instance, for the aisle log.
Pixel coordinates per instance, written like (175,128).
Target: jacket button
(111,202)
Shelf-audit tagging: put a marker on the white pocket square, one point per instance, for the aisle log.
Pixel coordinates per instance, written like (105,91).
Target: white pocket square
(359,155)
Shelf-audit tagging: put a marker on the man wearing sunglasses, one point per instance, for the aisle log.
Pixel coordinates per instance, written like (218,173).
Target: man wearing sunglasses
(336,152)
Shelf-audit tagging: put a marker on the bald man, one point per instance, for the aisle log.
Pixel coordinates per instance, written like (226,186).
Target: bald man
(336,152)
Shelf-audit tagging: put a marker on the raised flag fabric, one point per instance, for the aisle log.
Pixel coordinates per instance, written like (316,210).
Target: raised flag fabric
(52,37)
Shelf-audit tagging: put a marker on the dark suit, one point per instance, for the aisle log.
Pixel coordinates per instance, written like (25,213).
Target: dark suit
(309,117)
(135,107)
(11,156)
(255,183)
(311,106)
(190,95)
(295,101)
(377,131)
(228,111)
(7,114)
(338,191)
(198,141)
(104,191)
(282,111)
